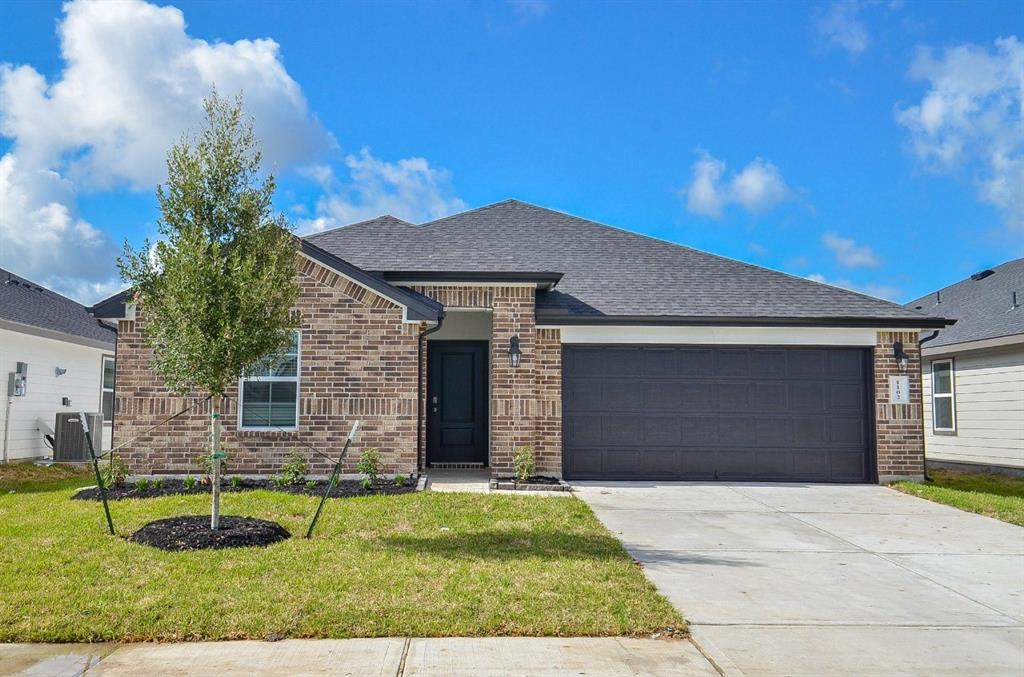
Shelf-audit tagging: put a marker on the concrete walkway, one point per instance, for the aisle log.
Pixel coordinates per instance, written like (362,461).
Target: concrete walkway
(792,579)
(388,657)
(462,480)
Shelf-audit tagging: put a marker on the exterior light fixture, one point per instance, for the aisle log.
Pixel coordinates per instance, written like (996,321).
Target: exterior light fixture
(515,355)
(901,357)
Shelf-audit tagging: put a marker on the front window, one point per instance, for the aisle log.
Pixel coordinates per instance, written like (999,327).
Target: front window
(107,389)
(269,396)
(943,397)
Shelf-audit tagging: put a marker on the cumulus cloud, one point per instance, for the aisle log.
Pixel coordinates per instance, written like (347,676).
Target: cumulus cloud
(840,27)
(133,81)
(876,289)
(410,189)
(971,119)
(757,188)
(528,10)
(848,253)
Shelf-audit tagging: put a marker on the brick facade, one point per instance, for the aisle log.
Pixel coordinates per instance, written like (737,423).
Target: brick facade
(899,428)
(358,361)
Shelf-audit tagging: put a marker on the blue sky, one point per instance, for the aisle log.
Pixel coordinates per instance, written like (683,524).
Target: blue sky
(874,145)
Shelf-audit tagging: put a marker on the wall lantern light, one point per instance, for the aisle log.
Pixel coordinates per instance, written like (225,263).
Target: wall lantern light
(515,355)
(901,357)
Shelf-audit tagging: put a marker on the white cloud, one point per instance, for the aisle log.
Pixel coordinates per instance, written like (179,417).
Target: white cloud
(876,289)
(410,189)
(971,119)
(133,82)
(840,27)
(758,249)
(758,187)
(528,10)
(848,253)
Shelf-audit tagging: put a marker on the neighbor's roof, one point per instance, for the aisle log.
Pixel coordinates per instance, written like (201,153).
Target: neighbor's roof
(608,275)
(26,303)
(982,307)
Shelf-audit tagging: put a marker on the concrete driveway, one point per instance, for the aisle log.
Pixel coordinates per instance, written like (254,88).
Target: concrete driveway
(827,580)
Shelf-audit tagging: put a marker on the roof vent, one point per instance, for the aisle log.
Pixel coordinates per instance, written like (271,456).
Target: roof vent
(1014,304)
(982,275)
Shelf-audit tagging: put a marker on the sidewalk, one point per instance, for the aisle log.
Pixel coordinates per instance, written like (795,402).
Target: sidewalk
(387,657)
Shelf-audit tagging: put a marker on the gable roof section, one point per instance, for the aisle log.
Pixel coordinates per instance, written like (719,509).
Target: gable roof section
(983,308)
(25,304)
(608,275)
(418,308)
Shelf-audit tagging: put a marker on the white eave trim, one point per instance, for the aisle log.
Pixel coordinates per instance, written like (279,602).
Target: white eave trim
(998,342)
(51,334)
(711,335)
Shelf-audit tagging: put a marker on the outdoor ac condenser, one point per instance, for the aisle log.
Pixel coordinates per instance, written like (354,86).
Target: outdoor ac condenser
(69,442)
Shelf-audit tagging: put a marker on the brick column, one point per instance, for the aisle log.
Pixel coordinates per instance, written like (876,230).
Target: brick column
(548,382)
(512,389)
(899,428)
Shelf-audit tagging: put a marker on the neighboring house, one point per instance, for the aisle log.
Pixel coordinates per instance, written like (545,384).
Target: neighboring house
(974,371)
(69,358)
(614,355)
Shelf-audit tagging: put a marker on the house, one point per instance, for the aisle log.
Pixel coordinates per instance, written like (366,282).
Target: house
(973,372)
(614,355)
(63,359)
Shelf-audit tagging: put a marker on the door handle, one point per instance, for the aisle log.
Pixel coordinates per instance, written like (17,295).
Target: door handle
(435,403)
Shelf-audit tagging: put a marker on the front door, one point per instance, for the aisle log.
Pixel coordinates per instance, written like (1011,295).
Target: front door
(457,402)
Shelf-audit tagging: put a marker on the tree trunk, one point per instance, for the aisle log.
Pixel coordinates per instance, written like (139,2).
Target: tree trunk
(215,457)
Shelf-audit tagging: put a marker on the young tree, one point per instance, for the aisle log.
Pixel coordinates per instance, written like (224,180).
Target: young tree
(216,290)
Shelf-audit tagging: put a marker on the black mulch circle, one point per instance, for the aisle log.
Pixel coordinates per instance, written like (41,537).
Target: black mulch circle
(193,532)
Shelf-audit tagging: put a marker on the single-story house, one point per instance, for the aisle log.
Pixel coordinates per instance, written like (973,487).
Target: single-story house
(54,357)
(973,372)
(613,354)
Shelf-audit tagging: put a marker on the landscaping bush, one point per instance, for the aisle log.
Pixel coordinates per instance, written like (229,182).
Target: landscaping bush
(369,465)
(400,480)
(204,464)
(293,470)
(524,463)
(116,472)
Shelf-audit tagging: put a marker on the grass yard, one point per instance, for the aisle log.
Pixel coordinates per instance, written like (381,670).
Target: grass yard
(420,564)
(993,495)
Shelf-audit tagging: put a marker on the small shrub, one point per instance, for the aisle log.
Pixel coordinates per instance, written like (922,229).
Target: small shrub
(236,481)
(143,484)
(190,482)
(367,483)
(369,465)
(401,480)
(158,484)
(524,463)
(116,472)
(310,485)
(293,471)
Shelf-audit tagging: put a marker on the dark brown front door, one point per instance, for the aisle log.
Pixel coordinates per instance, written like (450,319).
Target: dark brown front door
(457,402)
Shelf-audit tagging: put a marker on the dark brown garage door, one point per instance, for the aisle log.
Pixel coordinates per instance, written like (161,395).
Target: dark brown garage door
(710,413)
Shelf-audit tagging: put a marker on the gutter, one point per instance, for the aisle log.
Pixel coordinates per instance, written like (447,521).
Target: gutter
(420,341)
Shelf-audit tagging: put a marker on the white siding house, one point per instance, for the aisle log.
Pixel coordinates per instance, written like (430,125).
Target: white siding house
(973,372)
(70,366)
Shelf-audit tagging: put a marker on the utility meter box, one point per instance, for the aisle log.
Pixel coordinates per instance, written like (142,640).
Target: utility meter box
(17,381)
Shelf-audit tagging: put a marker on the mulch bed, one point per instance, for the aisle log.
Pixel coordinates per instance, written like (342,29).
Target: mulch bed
(535,483)
(174,487)
(535,479)
(193,532)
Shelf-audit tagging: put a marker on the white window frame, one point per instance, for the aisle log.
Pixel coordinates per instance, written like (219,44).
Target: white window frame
(298,391)
(951,396)
(104,389)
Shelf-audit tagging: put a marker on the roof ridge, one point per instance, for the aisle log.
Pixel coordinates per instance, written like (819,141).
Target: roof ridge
(509,200)
(22,280)
(359,223)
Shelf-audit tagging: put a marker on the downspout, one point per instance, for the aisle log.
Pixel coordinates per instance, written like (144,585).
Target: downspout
(920,352)
(421,340)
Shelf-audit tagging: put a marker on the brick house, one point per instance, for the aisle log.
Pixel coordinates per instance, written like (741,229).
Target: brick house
(614,355)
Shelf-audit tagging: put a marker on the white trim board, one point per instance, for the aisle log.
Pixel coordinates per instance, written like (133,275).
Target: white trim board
(775,336)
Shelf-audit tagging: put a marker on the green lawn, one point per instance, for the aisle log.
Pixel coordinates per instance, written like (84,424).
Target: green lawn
(421,564)
(993,495)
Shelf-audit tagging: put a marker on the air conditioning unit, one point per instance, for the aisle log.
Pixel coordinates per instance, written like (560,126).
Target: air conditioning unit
(69,443)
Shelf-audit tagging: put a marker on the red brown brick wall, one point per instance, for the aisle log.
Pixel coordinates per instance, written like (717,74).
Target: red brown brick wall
(358,361)
(899,428)
(548,384)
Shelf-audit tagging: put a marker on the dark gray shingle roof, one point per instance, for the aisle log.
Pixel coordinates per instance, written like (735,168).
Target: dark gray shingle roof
(608,272)
(26,302)
(982,308)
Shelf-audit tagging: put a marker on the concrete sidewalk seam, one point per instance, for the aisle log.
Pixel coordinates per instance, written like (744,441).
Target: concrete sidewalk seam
(405,655)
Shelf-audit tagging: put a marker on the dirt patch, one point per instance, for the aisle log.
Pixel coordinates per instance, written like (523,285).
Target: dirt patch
(193,532)
(174,487)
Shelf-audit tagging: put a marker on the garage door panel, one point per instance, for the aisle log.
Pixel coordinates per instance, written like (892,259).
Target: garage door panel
(704,413)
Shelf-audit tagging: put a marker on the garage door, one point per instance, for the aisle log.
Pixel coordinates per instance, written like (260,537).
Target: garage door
(711,413)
